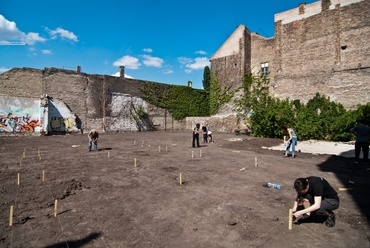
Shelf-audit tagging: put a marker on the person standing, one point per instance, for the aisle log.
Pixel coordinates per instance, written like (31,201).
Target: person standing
(315,201)
(362,132)
(93,139)
(196,134)
(205,133)
(291,142)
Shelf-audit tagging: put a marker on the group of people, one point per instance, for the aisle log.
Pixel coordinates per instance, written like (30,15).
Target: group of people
(316,198)
(207,134)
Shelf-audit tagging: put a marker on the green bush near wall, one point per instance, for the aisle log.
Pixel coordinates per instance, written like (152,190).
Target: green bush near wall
(319,119)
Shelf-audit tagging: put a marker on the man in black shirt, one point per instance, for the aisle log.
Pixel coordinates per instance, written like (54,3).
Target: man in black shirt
(315,201)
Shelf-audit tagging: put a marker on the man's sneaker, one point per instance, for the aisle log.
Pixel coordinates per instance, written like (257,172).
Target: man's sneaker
(330,222)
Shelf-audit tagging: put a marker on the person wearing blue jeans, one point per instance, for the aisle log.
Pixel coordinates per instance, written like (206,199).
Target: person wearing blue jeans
(93,139)
(291,142)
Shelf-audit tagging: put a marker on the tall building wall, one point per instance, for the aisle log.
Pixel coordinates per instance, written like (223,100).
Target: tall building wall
(322,50)
(319,47)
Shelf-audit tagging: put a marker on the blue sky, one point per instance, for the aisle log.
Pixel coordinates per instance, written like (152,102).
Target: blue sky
(167,41)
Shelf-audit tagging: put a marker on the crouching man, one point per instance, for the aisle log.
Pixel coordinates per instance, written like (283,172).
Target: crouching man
(315,201)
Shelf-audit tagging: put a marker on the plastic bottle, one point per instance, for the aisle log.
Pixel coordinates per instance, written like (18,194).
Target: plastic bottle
(274,185)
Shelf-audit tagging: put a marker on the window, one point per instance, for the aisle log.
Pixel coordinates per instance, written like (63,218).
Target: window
(264,69)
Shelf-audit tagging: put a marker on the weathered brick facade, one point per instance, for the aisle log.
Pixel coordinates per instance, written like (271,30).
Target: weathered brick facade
(320,47)
(90,97)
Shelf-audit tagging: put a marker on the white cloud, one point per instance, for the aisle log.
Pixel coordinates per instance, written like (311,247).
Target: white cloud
(128,62)
(3,69)
(11,35)
(184,60)
(196,64)
(63,34)
(45,51)
(201,52)
(152,61)
(148,50)
(117,74)
(167,71)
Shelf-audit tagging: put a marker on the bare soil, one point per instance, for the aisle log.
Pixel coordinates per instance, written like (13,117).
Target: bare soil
(104,200)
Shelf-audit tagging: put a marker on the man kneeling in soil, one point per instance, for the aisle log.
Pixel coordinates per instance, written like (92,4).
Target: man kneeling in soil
(315,201)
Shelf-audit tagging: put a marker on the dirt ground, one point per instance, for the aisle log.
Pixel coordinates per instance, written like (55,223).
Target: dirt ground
(104,200)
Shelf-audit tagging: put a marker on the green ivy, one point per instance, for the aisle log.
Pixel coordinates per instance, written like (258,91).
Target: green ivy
(180,101)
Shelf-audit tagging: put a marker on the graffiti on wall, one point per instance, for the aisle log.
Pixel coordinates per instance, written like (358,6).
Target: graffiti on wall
(18,124)
(60,124)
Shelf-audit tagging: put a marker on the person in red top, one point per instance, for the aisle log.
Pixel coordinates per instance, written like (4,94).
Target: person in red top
(315,201)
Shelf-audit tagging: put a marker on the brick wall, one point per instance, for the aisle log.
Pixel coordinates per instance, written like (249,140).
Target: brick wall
(88,96)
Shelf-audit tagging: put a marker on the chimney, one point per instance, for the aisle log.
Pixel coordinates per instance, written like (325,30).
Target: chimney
(301,8)
(325,4)
(78,69)
(122,71)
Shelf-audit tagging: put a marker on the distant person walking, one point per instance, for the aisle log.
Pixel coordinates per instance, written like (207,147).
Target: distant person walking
(362,132)
(93,139)
(291,142)
(196,134)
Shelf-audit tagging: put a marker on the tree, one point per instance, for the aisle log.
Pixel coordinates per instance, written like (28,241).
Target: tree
(218,95)
(206,78)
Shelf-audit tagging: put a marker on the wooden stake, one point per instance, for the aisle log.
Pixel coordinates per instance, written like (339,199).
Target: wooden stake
(159,149)
(19,179)
(108,154)
(255,162)
(180,179)
(192,154)
(166,149)
(200,153)
(134,142)
(11,216)
(20,163)
(55,208)
(142,143)
(290,219)
(43,175)
(24,153)
(135,162)
(38,151)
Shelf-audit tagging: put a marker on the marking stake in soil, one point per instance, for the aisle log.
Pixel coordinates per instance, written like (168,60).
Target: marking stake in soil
(20,162)
(290,219)
(180,179)
(192,154)
(200,153)
(24,153)
(11,216)
(108,154)
(142,143)
(166,149)
(134,142)
(255,162)
(242,169)
(43,175)
(135,162)
(159,148)
(19,179)
(344,189)
(55,208)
